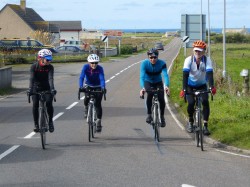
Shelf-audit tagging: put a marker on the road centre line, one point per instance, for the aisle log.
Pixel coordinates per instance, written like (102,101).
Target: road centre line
(13,148)
(72,105)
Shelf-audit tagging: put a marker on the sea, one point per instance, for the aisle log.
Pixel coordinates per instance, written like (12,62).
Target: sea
(212,30)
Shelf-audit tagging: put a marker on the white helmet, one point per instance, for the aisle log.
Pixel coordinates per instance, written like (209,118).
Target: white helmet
(45,53)
(93,58)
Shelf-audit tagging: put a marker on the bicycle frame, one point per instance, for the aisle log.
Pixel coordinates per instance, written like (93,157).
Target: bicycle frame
(198,116)
(43,119)
(91,117)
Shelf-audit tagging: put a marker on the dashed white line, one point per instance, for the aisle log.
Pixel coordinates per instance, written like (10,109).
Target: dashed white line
(57,116)
(72,105)
(13,148)
(29,135)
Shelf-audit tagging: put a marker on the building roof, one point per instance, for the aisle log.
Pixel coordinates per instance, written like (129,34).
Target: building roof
(68,25)
(31,18)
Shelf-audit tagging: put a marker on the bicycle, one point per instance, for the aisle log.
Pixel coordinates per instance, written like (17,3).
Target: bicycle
(43,119)
(91,116)
(198,116)
(156,122)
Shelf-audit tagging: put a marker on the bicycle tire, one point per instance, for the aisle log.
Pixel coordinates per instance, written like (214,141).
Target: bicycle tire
(93,126)
(156,123)
(196,129)
(42,127)
(200,130)
(90,120)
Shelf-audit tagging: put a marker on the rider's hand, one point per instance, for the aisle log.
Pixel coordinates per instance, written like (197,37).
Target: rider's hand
(142,91)
(213,90)
(53,92)
(29,92)
(82,89)
(104,90)
(167,90)
(182,93)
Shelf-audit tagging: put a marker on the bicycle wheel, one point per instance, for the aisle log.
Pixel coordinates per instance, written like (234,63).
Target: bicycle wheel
(90,120)
(156,122)
(42,127)
(196,128)
(93,127)
(200,130)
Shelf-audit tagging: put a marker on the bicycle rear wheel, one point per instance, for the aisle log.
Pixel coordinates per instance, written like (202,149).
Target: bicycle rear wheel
(42,127)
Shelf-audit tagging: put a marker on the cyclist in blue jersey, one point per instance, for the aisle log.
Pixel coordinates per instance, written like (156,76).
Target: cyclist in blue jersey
(197,71)
(92,76)
(152,70)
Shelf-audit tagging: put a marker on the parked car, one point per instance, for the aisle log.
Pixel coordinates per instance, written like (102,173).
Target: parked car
(23,44)
(77,43)
(159,46)
(69,49)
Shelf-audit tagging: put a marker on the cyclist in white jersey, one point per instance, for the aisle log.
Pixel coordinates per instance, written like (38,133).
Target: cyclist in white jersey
(197,71)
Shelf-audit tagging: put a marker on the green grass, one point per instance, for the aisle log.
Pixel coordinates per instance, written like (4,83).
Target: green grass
(229,120)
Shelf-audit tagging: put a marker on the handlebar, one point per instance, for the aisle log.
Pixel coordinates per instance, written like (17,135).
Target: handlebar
(41,94)
(92,92)
(197,93)
(155,91)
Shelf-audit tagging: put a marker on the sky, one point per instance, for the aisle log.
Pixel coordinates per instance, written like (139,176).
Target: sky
(139,14)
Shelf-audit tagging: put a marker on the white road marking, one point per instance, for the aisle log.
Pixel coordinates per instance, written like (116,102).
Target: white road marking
(72,105)
(57,116)
(233,153)
(13,148)
(29,135)
(186,185)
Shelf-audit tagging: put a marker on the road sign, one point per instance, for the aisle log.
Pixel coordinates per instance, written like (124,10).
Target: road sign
(113,33)
(185,39)
(104,38)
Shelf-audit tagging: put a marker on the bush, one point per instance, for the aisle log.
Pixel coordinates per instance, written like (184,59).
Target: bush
(126,50)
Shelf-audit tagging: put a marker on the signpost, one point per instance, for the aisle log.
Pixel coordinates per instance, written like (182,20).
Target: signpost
(110,34)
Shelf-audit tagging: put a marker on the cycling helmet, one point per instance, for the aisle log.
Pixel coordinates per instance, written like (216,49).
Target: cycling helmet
(199,45)
(45,53)
(93,58)
(153,52)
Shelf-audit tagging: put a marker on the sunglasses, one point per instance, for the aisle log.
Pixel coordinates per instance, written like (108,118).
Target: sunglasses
(153,57)
(93,62)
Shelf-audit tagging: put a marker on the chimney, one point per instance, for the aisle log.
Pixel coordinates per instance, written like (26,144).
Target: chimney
(23,4)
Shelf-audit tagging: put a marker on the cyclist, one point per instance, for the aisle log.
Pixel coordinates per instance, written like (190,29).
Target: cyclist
(93,74)
(42,79)
(197,71)
(151,72)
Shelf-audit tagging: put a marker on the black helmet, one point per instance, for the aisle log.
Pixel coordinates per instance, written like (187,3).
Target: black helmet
(153,52)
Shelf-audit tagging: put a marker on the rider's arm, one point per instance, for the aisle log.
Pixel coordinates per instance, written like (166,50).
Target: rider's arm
(82,76)
(186,70)
(142,74)
(102,77)
(209,72)
(32,76)
(51,77)
(165,75)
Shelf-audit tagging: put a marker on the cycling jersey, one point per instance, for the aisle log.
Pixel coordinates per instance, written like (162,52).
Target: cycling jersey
(94,77)
(41,77)
(197,74)
(152,72)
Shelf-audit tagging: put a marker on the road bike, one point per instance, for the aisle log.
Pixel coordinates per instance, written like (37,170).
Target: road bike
(91,116)
(43,119)
(198,115)
(156,122)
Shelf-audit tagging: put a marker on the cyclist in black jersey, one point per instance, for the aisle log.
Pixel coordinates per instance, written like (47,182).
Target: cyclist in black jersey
(42,79)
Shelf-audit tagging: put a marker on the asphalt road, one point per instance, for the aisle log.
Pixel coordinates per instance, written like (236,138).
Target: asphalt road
(124,154)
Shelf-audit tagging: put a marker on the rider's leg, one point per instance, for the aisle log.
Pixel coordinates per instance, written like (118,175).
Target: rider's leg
(206,113)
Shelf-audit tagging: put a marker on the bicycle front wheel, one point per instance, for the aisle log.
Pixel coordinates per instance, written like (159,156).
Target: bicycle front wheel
(42,127)
(156,123)
(90,121)
(200,130)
